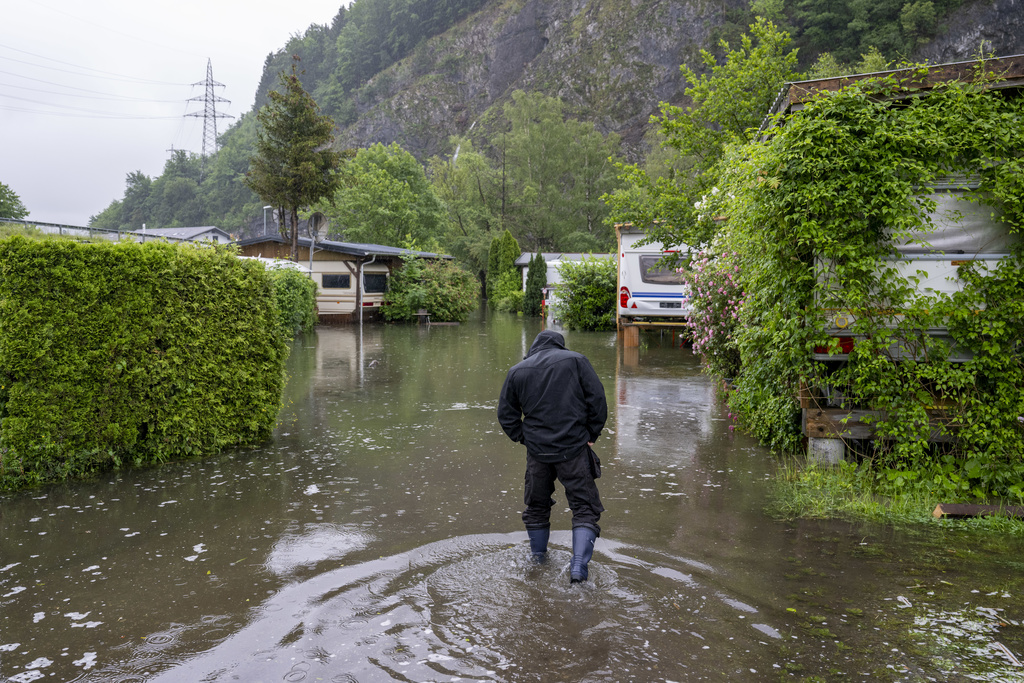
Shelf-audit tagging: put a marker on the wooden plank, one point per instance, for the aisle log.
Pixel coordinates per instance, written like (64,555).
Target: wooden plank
(956,510)
(828,423)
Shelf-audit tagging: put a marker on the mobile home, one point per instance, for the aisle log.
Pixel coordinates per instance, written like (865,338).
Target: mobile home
(553,262)
(351,278)
(646,287)
(962,230)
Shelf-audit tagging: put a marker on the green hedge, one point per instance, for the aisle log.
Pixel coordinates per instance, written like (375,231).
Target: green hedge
(129,354)
(296,300)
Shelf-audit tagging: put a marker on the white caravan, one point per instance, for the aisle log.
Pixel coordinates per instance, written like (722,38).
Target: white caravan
(962,231)
(647,289)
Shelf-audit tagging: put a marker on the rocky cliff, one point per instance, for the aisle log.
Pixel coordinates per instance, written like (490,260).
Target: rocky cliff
(998,25)
(611,62)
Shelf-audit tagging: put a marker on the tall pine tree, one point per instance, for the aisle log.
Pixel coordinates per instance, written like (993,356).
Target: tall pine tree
(503,278)
(536,281)
(294,160)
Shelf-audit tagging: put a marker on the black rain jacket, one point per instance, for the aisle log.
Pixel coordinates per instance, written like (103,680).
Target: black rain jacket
(552,401)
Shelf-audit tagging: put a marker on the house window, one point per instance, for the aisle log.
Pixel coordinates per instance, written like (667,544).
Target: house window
(337,281)
(652,273)
(375,283)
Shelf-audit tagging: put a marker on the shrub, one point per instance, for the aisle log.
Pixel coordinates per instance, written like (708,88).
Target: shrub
(295,293)
(511,302)
(448,293)
(716,296)
(508,292)
(114,354)
(586,297)
(33,232)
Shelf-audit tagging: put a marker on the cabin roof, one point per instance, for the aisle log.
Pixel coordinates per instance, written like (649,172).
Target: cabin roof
(350,248)
(182,233)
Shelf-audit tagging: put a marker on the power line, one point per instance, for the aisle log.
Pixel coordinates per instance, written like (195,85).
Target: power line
(109,75)
(111,97)
(83,114)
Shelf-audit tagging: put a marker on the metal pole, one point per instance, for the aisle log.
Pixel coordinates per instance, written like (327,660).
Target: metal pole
(359,297)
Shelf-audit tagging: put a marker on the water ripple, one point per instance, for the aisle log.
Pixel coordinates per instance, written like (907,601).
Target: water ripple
(467,607)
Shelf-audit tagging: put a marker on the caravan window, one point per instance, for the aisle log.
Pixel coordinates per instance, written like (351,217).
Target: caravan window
(375,283)
(653,273)
(337,281)
(959,225)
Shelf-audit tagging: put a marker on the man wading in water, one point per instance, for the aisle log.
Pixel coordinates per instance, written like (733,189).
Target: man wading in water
(553,403)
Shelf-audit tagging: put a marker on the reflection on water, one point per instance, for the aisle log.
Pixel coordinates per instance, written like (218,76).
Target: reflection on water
(377,537)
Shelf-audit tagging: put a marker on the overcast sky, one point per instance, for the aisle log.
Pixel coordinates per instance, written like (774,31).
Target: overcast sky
(91,91)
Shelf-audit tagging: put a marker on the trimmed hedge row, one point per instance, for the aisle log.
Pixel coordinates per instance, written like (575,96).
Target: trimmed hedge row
(131,354)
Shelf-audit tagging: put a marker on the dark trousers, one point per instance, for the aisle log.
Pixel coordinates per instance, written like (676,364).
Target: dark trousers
(580,492)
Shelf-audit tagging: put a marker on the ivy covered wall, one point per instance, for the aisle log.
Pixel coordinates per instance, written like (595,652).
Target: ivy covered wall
(844,182)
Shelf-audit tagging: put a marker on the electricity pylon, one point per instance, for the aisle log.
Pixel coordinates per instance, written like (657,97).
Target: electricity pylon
(209,113)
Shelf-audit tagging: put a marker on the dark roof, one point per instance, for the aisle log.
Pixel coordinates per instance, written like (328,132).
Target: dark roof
(181,233)
(351,248)
(527,256)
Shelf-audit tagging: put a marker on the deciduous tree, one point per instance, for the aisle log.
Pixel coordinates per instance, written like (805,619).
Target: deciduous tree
(556,170)
(386,199)
(10,203)
(727,106)
(469,187)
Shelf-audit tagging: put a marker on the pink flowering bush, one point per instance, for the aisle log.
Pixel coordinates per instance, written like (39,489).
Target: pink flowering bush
(716,296)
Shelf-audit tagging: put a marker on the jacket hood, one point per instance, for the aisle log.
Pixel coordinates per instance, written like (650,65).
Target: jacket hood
(547,339)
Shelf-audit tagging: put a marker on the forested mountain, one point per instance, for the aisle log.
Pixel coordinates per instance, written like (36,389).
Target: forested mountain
(431,75)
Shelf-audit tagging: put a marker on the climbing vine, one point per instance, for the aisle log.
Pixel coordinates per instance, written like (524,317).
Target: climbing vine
(820,215)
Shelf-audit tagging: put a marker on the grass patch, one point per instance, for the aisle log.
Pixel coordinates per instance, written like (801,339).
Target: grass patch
(850,491)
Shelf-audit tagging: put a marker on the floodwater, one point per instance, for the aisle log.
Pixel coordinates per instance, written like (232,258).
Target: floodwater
(377,538)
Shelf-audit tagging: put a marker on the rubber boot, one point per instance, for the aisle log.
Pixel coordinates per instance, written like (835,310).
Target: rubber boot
(539,543)
(582,550)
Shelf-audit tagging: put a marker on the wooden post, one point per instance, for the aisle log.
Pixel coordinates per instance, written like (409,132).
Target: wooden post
(631,336)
